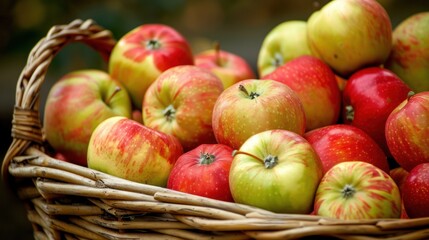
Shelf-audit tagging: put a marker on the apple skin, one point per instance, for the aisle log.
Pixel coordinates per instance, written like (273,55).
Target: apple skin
(127,149)
(75,105)
(409,57)
(357,190)
(350,34)
(316,86)
(415,191)
(341,143)
(180,102)
(276,170)
(283,43)
(228,67)
(369,96)
(203,171)
(407,131)
(252,106)
(143,53)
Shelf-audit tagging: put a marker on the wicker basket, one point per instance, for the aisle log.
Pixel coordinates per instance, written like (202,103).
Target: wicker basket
(66,201)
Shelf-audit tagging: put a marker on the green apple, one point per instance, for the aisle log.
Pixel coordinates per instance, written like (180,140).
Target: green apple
(276,170)
(76,104)
(127,149)
(350,34)
(409,57)
(283,43)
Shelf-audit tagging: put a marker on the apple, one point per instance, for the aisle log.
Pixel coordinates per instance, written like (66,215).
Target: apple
(276,170)
(127,149)
(252,106)
(283,43)
(74,107)
(350,34)
(399,174)
(357,190)
(341,143)
(143,53)
(409,57)
(407,131)
(203,171)
(180,102)
(415,192)
(369,97)
(316,86)
(227,66)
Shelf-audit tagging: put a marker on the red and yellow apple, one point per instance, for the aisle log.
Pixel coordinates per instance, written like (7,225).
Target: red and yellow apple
(415,191)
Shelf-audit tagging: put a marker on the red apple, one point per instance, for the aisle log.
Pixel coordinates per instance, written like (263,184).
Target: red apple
(357,190)
(341,143)
(407,131)
(369,97)
(203,171)
(228,67)
(350,34)
(415,191)
(125,148)
(316,86)
(142,54)
(399,174)
(277,170)
(75,105)
(252,106)
(180,102)
(409,57)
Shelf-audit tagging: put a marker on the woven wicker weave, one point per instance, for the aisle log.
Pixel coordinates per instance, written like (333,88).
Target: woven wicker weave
(66,201)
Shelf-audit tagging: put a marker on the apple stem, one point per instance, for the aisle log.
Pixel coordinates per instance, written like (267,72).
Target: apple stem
(269,161)
(348,191)
(350,113)
(206,158)
(410,94)
(252,95)
(217,54)
(109,99)
(169,112)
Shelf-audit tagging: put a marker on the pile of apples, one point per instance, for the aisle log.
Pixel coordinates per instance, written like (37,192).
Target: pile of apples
(335,124)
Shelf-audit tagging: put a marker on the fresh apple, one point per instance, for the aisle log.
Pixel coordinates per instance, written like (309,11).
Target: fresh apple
(357,190)
(142,54)
(407,131)
(409,57)
(276,170)
(341,143)
(350,34)
(369,97)
(203,171)
(180,102)
(228,67)
(127,149)
(283,43)
(398,174)
(75,105)
(316,86)
(415,192)
(252,106)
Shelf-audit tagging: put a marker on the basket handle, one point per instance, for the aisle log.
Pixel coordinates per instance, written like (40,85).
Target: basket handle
(26,124)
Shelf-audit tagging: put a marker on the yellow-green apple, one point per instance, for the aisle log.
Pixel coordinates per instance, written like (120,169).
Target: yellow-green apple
(252,106)
(407,131)
(143,53)
(76,104)
(127,149)
(316,86)
(203,171)
(369,97)
(283,43)
(357,190)
(341,143)
(350,34)
(180,102)
(227,66)
(415,191)
(409,57)
(276,170)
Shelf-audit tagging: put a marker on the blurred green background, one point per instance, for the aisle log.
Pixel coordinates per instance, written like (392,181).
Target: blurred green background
(239,25)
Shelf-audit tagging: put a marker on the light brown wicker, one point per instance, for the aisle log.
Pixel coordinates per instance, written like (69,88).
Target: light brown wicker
(66,201)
